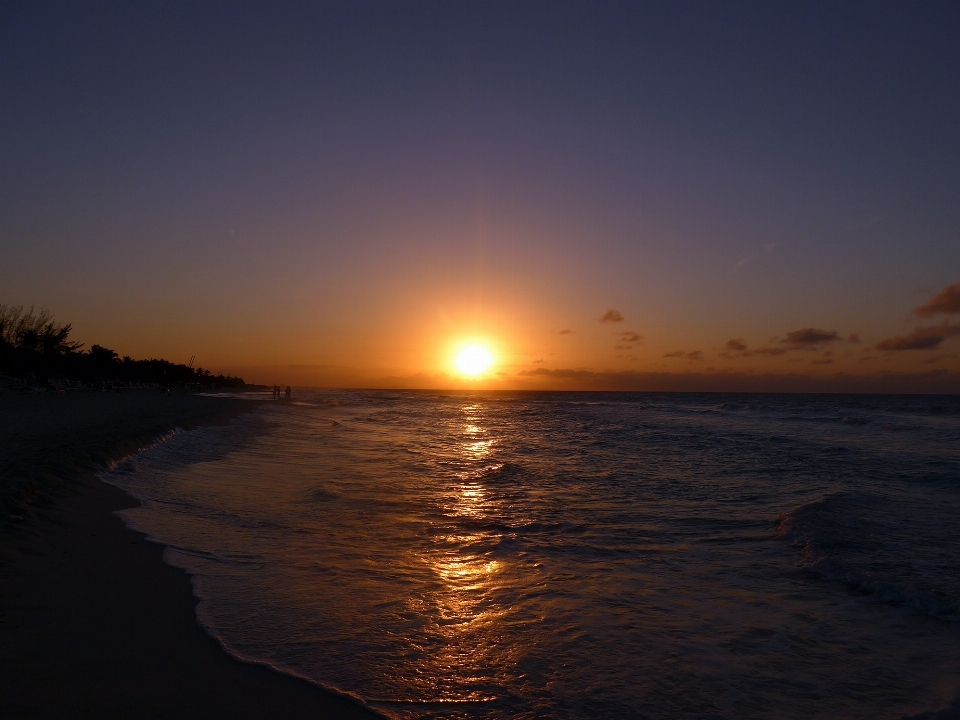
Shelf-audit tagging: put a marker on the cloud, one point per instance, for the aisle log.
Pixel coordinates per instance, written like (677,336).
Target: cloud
(770,351)
(735,348)
(535,362)
(767,249)
(611,315)
(941,381)
(565,332)
(809,337)
(854,338)
(695,355)
(623,347)
(631,337)
(558,373)
(922,338)
(945,302)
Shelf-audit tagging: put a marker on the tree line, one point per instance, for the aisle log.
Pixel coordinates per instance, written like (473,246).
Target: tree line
(34,346)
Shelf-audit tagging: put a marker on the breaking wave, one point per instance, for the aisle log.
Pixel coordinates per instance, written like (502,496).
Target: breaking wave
(831,537)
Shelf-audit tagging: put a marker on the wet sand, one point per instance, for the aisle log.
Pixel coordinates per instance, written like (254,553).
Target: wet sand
(93,623)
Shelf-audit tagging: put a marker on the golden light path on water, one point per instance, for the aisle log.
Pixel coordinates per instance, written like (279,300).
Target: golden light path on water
(467,620)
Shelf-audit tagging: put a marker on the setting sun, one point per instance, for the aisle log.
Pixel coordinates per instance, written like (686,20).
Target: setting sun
(473,360)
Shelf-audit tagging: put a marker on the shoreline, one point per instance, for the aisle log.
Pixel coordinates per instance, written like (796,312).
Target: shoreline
(93,622)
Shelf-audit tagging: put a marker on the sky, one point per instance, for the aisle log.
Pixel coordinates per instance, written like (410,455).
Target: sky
(677,195)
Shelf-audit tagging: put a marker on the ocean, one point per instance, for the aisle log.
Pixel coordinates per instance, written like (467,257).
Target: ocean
(578,555)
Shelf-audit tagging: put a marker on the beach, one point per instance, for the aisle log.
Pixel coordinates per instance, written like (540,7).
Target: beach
(94,623)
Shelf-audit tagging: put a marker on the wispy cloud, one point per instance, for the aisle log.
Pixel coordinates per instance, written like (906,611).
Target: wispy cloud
(803,339)
(612,316)
(565,332)
(695,355)
(945,302)
(809,337)
(767,249)
(922,338)
(631,337)
(935,380)
(558,373)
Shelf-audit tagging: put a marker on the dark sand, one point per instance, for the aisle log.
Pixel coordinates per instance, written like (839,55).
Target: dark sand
(93,623)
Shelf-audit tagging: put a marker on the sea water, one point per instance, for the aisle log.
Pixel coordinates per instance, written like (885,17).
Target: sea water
(578,555)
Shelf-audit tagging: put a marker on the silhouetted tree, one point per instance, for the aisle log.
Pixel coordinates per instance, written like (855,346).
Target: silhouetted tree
(35,345)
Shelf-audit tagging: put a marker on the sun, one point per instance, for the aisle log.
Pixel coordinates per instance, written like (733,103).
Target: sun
(473,360)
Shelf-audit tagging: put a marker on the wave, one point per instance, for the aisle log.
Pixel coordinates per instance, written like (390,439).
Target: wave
(498,472)
(825,528)
(952,712)
(322,494)
(122,463)
(530,528)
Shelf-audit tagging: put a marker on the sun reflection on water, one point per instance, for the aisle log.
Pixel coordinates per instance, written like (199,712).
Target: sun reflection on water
(467,616)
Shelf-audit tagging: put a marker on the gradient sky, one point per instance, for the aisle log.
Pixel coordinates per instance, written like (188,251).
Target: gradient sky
(342,193)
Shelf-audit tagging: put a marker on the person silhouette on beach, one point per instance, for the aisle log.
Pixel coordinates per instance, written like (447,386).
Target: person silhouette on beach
(287,393)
